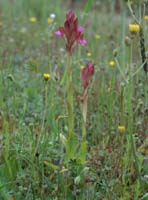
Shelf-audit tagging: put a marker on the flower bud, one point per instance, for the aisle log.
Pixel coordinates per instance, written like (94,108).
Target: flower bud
(127,41)
(77,180)
(115,52)
(86,74)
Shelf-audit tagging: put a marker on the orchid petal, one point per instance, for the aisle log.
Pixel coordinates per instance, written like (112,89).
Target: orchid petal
(83,42)
(58,33)
(81,28)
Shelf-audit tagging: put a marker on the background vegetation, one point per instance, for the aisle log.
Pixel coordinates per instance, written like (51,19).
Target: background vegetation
(33,114)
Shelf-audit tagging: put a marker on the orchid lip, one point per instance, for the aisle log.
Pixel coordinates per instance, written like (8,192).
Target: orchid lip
(82,42)
(58,33)
(81,28)
(71,32)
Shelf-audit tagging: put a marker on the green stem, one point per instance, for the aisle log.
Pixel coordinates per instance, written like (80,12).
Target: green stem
(83,146)
(135,158)
(84,113)
(142,49)
(43,118)
(71,142)
(70,105)
(132,12)
(45,107)
(131,122)
(121,105)
(121,72)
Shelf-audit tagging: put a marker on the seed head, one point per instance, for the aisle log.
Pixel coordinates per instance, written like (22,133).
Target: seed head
(127,41)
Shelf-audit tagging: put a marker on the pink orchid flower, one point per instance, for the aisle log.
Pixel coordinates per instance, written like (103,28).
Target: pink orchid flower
(86,74)
(71,32)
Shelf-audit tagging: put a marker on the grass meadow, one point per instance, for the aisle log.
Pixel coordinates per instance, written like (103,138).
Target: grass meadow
(67,133)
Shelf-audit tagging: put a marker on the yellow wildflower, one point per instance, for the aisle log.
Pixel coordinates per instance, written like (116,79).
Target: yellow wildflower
(121,129)
(97,36)
(46,76)
(134,28)
(32,19)
(49,20)
(88,54)
(82,66)
(112,63)
(146,17)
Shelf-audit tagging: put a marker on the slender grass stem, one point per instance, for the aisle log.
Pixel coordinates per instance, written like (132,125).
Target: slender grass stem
(45,107)
(131,122)
(118,66)
(84,115)
(43,117)
(83,146)
(132,12)
(143,51)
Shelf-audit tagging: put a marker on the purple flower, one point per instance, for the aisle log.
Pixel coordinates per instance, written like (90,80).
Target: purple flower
(59,32)
(71,32)
(86,74)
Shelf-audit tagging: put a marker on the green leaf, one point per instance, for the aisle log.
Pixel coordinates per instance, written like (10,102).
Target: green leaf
(88,5)
(145,196)
(50,165)
(71,147)
(64,78)
(83,150)
(3,191)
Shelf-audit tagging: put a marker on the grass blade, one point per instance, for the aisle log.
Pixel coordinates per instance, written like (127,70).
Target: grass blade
(88,6)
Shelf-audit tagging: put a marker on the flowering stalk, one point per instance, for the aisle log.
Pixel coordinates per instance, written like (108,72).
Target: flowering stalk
(72,35)
(86,76)
(46,78)
(139,28)
(134,29)
(132,140)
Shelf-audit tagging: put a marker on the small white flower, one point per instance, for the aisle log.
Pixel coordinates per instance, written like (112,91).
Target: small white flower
(52,15)
(146,176)
(77,180)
